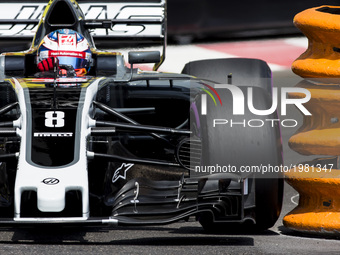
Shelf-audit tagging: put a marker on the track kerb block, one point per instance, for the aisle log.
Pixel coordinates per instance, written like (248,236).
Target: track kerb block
(318,181)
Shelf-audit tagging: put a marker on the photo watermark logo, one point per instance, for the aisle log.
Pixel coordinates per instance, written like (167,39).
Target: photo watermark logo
(239,99)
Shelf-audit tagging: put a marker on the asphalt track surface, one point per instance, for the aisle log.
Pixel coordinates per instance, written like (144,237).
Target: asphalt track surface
(181,237)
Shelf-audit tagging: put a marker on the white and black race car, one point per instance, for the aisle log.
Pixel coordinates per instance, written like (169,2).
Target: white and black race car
(116,145)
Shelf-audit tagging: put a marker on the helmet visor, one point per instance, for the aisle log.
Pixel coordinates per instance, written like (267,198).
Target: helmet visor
(77,63)
(76,59)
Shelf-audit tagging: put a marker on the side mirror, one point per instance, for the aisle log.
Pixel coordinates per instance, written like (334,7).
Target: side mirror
(144,57)
(141,57)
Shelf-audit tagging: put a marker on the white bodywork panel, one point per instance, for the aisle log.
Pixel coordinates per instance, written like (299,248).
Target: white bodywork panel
(51,184)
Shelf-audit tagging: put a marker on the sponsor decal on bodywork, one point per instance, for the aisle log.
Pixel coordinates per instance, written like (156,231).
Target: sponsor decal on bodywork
(92,11)
(121,172)
(53,134)
(50,181)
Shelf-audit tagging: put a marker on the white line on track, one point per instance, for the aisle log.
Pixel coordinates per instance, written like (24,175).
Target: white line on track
(299,42)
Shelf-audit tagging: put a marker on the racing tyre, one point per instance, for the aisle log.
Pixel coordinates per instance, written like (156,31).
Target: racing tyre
(242,144)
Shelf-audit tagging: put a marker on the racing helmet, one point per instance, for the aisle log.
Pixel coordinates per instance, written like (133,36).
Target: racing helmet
(68,47)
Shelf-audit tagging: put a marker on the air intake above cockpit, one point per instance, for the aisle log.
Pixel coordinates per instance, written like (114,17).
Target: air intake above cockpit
(61,15)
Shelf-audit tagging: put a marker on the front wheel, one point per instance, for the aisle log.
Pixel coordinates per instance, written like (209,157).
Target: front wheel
(236,142)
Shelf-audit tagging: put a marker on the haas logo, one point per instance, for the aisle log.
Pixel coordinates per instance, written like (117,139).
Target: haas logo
(67,40)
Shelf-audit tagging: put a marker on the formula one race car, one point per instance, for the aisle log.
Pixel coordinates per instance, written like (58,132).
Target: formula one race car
(89,139)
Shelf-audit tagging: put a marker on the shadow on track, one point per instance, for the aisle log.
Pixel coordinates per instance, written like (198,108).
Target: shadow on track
(149,236)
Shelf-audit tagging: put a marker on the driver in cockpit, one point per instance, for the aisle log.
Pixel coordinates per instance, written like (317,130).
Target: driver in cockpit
(64,52)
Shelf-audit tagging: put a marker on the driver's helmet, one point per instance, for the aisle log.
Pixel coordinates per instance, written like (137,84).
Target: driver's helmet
(67,48)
